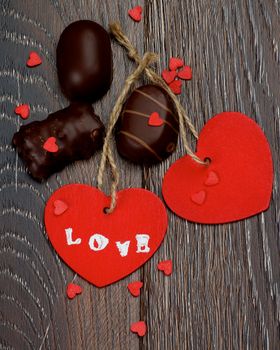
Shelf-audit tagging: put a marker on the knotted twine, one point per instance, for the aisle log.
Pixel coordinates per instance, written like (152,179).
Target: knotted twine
(143,66)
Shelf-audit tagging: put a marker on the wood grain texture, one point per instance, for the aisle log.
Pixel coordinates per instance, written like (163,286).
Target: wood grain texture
(224,292)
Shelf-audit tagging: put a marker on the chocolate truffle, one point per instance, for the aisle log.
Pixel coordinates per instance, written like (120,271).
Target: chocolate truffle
(141,139)
(78,133)
(84,61)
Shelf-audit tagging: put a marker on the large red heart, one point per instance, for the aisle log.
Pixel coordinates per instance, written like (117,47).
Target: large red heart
(235,185)
(139,213)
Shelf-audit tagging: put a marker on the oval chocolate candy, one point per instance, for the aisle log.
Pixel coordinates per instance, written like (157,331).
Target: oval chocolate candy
(148,127)
(84,61)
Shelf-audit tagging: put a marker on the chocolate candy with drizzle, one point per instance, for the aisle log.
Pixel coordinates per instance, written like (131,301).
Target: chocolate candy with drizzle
(78,133)
(136,139)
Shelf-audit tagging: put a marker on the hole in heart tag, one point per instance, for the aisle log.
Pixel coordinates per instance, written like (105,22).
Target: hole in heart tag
(237,181)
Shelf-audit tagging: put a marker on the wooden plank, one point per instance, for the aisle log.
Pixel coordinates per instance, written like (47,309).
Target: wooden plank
(224,293)
(32,278)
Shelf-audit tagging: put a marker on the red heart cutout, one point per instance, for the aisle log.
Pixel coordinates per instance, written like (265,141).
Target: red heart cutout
(23,111)
(59,207)
(212,179)
(168,75)
(139,327)
(33,60)
(240,154)
(165,267)
(73,290)
(176,86)
(199,197)
(103,248)
(136,13)
(134,288)
(155,120)
(175,63)
(50,145)
(185,73)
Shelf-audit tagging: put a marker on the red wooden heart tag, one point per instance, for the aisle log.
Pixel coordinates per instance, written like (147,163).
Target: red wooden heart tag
(103,248)
(236,184)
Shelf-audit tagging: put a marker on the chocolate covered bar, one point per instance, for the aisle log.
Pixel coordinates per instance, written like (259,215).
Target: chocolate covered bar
(65,136)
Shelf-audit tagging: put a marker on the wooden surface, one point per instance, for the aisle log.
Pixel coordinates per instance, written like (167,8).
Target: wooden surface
(225,289)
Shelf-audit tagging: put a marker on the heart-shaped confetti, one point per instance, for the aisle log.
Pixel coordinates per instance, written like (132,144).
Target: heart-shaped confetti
(50,145)
(199,197)
(33,60)
(134,288)
(73,290)
(23,111)
(139,327)
(136,13)
(212,179)
(175,63)
(155,119)
(176,87)
(165,266)
(102,240)
(241,159)
(168,75)
(185,73)
(59,207)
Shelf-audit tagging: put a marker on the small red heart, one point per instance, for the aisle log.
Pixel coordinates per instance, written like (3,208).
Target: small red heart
(50,145)
(212,179)
(240,156)
(199,197)
(176,86)
(139,327)
(165,266)
(73,290)
(168,75)
(136,13)
(155,120)
(23,111)
(185,73)
(175,63)
(59,207)
(33,60)
(134,288)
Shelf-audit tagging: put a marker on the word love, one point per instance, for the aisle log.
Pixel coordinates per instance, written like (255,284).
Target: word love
(99,247)
(98,242)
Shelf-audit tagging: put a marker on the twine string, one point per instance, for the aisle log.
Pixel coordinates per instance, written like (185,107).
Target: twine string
(107,152)
(143,66)
(184,120)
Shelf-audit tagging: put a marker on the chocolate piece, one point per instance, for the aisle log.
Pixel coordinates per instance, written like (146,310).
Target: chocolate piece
(84,61)
(78,133)
(136,139)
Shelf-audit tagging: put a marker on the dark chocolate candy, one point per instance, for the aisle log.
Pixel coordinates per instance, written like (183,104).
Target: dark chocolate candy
(78,132)
(84,61)
(136,139)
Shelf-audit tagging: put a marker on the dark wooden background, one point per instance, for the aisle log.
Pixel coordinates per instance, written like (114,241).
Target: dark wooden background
(225,289)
